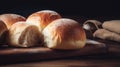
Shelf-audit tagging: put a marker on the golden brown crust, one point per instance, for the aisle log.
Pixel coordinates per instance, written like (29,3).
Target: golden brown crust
(70,29)
(10,19)
(43,18)
(64,34)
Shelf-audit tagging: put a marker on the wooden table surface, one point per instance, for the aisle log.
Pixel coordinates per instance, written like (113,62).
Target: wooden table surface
(109,59)
(90,61)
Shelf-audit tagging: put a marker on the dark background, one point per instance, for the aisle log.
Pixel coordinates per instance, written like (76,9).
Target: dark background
(87,9)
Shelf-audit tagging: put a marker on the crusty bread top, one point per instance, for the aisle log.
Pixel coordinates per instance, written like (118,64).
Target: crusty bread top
(66,28)
(10,19)
(43,18)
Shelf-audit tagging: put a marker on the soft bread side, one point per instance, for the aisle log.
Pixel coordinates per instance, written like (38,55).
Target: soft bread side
(22,34)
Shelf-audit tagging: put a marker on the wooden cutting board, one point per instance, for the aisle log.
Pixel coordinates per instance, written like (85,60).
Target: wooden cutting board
(9,55)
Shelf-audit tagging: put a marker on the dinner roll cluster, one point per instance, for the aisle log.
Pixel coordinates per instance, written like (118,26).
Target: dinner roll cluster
(43,28)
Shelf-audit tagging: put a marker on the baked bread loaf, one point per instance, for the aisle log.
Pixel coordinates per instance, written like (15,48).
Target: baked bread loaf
(22,34)
(42,18)
(10,19)
(64,34)
(113,25)
(3,30)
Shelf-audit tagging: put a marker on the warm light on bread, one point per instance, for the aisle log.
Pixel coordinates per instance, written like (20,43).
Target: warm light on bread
(42,18)
(64,34)
(10,19)
(22,34)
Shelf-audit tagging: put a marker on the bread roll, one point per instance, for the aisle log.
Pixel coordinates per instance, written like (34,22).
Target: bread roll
(22,34)
(3,30)
(107,35)
(113,25)
(43,18)
(64,34)
(10,19)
